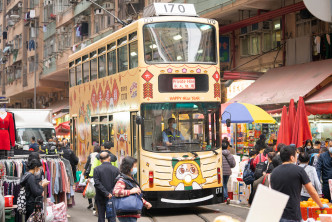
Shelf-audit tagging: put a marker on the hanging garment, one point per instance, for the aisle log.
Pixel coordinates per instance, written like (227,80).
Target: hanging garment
(78,31)
(44,28)
(32,45)
(74,48)
(32,32)
(7,131)
(32,13)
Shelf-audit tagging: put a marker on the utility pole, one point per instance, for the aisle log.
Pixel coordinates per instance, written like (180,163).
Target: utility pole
(35,78)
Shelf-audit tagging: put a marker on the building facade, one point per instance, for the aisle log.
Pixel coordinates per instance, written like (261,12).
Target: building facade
(39,35)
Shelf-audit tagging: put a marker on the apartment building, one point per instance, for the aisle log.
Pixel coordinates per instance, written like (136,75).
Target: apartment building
(39,35)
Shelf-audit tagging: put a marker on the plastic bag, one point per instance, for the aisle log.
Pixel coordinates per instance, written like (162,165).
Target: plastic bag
(49,214)
(90,191)
(82,181)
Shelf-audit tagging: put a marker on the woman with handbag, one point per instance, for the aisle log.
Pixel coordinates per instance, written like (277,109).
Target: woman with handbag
(32,187)
(126,186)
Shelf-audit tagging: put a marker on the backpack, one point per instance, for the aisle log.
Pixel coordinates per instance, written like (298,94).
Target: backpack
(261,167)
(21,201)
(248,176)
(312,159)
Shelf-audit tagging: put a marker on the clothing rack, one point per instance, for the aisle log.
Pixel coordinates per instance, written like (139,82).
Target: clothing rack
(41,156)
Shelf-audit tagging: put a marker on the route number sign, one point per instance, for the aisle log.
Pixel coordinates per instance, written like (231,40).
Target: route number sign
(174,9)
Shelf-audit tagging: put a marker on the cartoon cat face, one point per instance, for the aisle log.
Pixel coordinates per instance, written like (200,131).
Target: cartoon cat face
(187,172)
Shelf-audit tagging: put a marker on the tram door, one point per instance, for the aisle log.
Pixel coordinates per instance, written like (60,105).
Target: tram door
(134,132)
(73,134)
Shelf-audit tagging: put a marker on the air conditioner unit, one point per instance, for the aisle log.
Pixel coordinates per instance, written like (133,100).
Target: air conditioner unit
(48,2)
(108,5)
(245,30)
(99,11)
(20,4)
(262,26)
(83,18)
(11,23)
(63,29)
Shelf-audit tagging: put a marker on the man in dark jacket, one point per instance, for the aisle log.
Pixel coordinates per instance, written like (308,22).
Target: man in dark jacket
(324,171)
(73,159)
(104,178)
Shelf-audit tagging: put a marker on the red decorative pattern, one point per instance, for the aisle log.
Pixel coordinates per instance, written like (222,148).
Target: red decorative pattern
(216,90)
(147,76)
(216,76)
(147,90)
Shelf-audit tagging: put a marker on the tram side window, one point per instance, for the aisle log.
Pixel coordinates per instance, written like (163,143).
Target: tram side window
(93,69)
(133,55)
(102,66)
(78,75)
(72,77)
(103,129)
(122,58)
(111,57)
(94,130)
(86,72)
(111,129)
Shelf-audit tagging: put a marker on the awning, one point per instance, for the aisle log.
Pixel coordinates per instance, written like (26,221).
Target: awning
(322,96)
(280,85)
(62,105)
(63,128)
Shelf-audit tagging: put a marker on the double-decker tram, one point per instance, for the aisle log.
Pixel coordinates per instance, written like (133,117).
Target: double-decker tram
(153,89)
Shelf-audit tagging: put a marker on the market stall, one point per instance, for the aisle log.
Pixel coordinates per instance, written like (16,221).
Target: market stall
(246,122)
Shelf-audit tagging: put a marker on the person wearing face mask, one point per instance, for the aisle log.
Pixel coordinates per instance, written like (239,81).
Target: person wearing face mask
(171,134)
(308,147)
(32,187)
(128,169)
(324,171)
(104,177)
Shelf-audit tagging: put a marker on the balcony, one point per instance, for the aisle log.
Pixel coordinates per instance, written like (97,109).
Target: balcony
(50,30)
(81,7)
(65,17)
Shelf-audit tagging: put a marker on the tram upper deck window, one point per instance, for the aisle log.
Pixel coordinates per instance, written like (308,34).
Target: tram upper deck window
(179,42)
(181,127)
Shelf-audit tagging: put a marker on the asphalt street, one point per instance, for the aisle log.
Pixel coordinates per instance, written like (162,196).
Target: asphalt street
(80,213)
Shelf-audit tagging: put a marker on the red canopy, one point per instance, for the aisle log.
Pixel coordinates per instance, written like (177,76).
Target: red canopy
(62,128)
(301,129)
(291,117)
(283,134)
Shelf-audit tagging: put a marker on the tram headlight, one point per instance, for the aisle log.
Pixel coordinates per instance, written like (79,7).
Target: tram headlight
(151,179)
(218,175)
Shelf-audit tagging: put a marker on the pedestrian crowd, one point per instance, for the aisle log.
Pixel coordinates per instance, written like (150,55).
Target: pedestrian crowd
(115,189)
(300,172)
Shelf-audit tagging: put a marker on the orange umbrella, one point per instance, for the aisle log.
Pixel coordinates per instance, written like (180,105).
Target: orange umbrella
(291,117)
(301,129)
(283,133)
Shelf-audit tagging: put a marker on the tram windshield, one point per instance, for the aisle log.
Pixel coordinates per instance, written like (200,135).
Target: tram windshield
(181,127)
(179,42)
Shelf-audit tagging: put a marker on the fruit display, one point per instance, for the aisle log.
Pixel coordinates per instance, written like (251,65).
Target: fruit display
(309,209)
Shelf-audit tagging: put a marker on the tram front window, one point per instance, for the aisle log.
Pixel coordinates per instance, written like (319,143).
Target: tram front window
(179,42)
(181,127)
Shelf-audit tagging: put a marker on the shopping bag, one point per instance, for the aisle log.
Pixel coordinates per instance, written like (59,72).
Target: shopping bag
(49,214)
(90,191)
(36,216)
(82,181)
(80,186)
(86,187)
(110,210)
(60,212)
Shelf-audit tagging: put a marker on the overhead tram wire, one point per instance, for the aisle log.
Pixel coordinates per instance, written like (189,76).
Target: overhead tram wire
(116,18)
